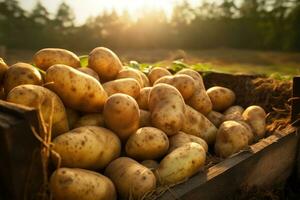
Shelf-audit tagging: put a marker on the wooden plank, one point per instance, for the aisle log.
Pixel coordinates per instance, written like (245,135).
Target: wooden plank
(20,167)
(255,168)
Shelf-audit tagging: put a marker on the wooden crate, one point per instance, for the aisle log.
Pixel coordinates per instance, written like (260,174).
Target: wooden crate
(265,164)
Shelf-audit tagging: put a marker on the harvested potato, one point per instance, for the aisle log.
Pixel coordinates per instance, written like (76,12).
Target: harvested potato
(221,97)
(215,117)
(20,74)
(3,69)
(131,179)
(145,79)
(121,114)
(150,164)
(80,184)
(157,73)
(147,143)
(195,123)
(88,147)
(181,163)
(145,118)
(77,90)
(200,101)
(182,138)
(73,117)
(105,62)
(47,57)
(249,132)
(142,99)
(255,116)
(90,72)
(234,113)
(167,108)
(185,84)
(127,86)
(41,98)
(94,119)
(131,73)
(231,138)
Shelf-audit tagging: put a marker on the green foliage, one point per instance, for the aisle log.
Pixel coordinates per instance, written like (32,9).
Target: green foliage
(83,60)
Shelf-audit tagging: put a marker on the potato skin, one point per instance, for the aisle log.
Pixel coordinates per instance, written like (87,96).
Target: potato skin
(231,138)
(47,57)
(215,117)
(181,163)
(90,72)
(40,97)
(73,117)
(131,73)
(197,124)
(20,74)
(182,138)
(157,73)
(234,113)
(145,79)
(255,116)
(3,69)
(77,90)
(200,101)
(127,86)
(121,114)
(88,147)
(184,83)
(130,178)
(145,118)
(150,164)
(167,108)
(94,119)
(80,184)
(147,143)
(105,62)
(221,97)
(142,99)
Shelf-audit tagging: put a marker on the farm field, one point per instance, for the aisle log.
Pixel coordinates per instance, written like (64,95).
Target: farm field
(227,60)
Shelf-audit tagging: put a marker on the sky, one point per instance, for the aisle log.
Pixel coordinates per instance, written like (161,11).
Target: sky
(85,8)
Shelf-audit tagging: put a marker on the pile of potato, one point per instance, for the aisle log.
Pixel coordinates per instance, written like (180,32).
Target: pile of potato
(120,132)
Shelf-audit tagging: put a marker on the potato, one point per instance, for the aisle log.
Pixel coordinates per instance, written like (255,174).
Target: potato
(231,138)
(47,57)
(197,124)
(77,90)
(145,118)
(200,101)
(147,143)
(94,119)
(215,117)
(167,108)
(142,99)
(234,113)
(80,184)
(73,117)
(90,72)
(255,116)
(182,138)
(150,164)
(121,114)
(221,97)
(88,147)
(20,74)
(105,62)
(185,84)
(250,134)
(156,73)
(181,163)
(132,180)
(127,86)
(145,79)
(3,69)
(41,98)
(131,73)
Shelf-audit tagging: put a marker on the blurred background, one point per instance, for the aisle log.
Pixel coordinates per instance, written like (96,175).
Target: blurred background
(254,36)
